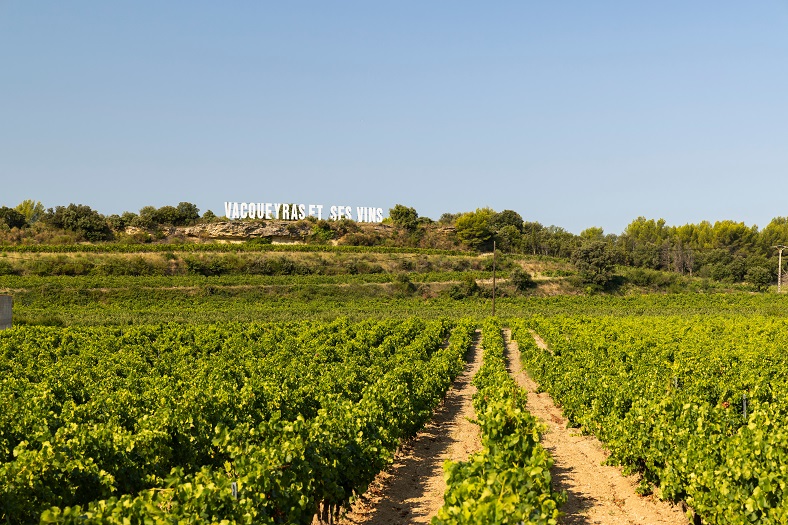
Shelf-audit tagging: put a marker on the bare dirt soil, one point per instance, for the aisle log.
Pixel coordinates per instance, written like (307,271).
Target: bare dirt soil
(597,493)
(411,490)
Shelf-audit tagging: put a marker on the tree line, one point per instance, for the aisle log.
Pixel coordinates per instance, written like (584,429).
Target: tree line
(726,251)
(90,225)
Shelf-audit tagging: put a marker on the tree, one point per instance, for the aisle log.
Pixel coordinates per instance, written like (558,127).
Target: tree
(80,219)
(507,218)
(12,217)
(115,222)
(509,238)
(187,213)
(533,237)
(183,214)
(167,215)
(128,218)
(404,216)
(775,233)
(759,277)
(558,242)
(594,233)
(475,228)
(642,240)
(594,262)
(448,218)
(120,222)
(147,218)
(735,236)
(32,210)
(643,231)
(696,236)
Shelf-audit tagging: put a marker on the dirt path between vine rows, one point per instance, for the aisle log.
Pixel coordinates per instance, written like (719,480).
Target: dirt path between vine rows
(597,493)
(411,490)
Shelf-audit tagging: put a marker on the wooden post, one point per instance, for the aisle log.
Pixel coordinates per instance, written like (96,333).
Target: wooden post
(493,305)
(6,311)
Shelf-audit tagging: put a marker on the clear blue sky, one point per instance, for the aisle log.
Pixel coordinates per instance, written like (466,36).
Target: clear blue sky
(571,113)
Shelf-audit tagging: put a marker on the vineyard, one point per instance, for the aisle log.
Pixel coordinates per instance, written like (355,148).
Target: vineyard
(257,423)
(508,481)
(696,405)
(114,415)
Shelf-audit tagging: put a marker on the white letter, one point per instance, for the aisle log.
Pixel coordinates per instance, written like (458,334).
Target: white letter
(267,210)
(228,209)
(380,214)
(333,215)
(319,211)
(311,210)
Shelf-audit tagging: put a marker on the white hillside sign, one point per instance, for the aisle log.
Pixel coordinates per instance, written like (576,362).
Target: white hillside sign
(296,212)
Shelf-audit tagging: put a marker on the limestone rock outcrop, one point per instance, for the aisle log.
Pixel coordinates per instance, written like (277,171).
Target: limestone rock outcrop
(277,231)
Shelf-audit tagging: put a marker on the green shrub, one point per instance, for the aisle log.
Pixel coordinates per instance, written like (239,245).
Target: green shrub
(521,280)
(466,288)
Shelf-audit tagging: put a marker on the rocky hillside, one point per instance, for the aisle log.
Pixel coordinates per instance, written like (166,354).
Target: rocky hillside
(280,231)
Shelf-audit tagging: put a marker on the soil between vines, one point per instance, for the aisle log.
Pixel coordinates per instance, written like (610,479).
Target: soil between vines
(411,490)
(597,493)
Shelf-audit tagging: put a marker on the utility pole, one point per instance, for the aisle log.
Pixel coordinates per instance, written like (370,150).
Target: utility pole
(779,247)
(493,278)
